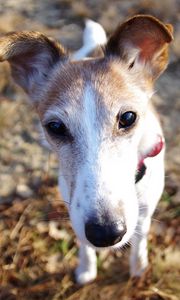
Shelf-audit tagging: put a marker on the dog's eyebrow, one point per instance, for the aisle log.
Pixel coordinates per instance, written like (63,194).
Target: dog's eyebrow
(53,113)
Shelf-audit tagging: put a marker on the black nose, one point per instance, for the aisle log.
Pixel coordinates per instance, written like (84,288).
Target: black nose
(101,235)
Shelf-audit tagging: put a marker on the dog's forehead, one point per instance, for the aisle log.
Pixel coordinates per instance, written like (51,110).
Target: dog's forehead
(107,82)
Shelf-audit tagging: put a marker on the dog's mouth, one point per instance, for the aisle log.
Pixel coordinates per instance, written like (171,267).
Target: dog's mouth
(155,150)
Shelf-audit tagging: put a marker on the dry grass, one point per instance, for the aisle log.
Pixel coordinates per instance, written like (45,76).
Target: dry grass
(37,262)
(38,249)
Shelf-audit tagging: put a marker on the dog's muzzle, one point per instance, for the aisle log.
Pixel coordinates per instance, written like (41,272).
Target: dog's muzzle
(106,232)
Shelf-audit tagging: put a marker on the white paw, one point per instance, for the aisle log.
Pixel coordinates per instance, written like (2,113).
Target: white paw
(138,267)
(84,276)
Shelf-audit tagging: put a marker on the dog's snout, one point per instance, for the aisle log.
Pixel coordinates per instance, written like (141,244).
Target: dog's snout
(104,235)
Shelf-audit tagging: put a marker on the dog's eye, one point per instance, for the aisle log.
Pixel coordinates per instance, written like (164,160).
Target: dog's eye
(57,129)
(126,119)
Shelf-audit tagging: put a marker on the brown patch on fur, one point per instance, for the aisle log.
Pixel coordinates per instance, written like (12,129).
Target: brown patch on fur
(68,83)
(14,44)
(40,66)
(146,33)
(109,81)
(33,58)
(30,54)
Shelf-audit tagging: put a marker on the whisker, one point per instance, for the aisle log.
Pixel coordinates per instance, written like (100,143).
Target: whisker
(156,220)
(59,200)
(63,175)
(142,207)
(138,233)
(53,219)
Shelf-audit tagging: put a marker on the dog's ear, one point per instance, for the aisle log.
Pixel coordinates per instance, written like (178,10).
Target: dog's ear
(32,57)
(142,39)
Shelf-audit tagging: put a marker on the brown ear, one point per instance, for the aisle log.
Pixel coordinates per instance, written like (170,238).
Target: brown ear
(32,57)
(146,38)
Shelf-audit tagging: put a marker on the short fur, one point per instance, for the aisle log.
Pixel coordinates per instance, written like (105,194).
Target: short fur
(98,160)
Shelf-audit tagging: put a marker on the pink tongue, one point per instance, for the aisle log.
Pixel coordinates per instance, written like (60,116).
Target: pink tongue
(154,151)
(157,148)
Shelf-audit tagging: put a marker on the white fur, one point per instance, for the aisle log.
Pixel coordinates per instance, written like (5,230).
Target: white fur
(100,170)
(87,269)
(108,184)
(106,187)
(98,161)
(93,36)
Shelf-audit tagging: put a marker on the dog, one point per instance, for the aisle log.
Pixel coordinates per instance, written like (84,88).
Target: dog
(97,116)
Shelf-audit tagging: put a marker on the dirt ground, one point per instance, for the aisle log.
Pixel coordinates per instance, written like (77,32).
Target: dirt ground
(38,249)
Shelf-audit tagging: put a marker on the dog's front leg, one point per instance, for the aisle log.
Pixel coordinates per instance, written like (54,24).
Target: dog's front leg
(87,269)
(139,251)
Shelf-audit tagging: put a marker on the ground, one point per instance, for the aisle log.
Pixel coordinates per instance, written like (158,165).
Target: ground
(37,245)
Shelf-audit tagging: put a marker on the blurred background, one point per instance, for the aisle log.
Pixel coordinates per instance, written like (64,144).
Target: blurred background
(37,246)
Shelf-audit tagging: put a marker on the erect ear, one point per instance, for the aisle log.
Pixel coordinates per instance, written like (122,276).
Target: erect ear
(142,39)
(32,57)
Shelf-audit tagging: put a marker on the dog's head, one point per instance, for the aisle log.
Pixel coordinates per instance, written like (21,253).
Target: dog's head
(93,113)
